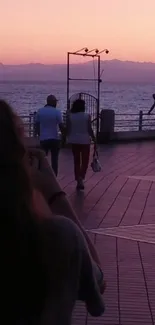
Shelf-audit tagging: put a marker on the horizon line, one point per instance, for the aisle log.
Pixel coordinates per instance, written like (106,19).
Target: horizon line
(46,64)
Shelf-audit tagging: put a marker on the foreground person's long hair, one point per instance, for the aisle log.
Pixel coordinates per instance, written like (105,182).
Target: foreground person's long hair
(23,280)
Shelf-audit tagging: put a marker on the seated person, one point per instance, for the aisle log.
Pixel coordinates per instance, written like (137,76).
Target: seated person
(45,262)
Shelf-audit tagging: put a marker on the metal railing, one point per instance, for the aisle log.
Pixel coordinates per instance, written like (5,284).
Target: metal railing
(134,122)
(123,122)
(29,124)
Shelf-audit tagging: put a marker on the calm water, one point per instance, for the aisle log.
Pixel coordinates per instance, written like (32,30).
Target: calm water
(27,97)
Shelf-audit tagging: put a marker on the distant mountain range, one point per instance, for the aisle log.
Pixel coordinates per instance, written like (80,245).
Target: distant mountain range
(113,71)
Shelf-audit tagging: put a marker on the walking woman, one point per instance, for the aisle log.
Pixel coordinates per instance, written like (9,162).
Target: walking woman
(80,133)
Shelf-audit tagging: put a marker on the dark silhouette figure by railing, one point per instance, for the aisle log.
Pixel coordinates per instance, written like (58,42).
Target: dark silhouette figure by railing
(153,106)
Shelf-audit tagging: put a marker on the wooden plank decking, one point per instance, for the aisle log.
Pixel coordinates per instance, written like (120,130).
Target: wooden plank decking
(114,200)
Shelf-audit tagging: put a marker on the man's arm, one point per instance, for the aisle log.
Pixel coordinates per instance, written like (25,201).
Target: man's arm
(68,124)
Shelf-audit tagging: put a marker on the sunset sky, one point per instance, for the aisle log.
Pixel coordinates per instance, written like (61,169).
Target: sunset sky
(44,30)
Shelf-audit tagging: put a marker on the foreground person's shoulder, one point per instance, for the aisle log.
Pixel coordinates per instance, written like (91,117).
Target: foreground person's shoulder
(60,226)
(60,237)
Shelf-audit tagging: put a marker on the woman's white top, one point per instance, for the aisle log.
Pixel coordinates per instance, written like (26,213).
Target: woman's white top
(78,133)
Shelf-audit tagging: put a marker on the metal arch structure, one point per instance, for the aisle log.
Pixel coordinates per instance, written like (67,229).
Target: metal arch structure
(92,103)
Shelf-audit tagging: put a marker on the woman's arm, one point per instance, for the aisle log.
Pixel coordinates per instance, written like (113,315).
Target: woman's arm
(45,181)
(90,130)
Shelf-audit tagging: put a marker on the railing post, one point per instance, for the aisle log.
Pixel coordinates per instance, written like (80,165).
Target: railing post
(140,120)
(107,125)
(34,125)
(64,116)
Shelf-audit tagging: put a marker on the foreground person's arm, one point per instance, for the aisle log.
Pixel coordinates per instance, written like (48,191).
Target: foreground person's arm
(46,182)
(68,262)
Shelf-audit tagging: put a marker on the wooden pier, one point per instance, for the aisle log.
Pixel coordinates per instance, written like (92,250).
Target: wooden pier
(118,209)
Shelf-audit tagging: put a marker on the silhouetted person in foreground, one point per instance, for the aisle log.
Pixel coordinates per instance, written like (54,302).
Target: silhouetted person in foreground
(45,261)
(153,106)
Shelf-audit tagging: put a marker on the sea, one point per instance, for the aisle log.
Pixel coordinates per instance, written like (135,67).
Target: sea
(125,98)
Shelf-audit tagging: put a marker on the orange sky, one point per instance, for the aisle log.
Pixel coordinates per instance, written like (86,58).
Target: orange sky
(44,30)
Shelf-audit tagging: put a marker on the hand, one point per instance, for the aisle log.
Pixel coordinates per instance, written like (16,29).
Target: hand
(42,183)
(94,140)
(37,159)
(36,153)
(42,175)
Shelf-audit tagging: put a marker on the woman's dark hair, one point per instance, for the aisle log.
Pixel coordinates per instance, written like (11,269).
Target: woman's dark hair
(78,106)
(23,280)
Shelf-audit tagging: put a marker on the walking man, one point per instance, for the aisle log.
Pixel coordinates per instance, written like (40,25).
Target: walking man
(48,122)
